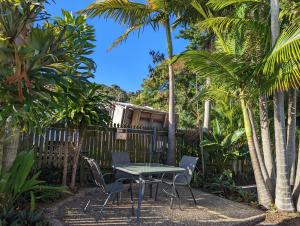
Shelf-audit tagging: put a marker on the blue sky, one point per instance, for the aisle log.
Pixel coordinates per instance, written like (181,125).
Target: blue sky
(127,64)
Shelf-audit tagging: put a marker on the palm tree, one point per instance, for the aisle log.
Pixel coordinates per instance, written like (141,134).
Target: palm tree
(283,199)
(136,16)
(278,64)
(227,71)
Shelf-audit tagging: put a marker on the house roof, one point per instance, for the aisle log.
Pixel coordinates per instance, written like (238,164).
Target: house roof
(137,107)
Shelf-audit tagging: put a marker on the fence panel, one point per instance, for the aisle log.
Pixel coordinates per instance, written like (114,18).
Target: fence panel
(142,144)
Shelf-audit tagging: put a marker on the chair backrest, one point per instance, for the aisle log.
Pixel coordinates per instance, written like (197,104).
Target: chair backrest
(96,173)
(189,163)
(120,158)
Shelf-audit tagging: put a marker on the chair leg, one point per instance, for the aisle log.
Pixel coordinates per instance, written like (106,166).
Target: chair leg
(178,197)
(105,202)
(86,206)
(192,194)
(156,191)
(171,203)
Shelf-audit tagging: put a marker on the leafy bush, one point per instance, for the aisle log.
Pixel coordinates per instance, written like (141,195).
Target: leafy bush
(17,218)
(223,185)
(17,185)
(221,145)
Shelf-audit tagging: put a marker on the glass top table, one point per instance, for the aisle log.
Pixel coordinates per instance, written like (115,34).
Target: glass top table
(143,171)
(147,168)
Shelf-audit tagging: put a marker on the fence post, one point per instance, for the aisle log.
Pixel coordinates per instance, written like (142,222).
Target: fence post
(153,143)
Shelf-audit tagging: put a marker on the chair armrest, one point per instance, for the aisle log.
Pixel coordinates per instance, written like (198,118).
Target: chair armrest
(124,179)
(178,176)
(163,180)
(105,175)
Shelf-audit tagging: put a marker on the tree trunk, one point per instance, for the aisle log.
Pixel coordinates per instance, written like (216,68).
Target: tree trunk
(291,134)
(206,111)
(265,137)
(283,200)
(77,151)
(264,195)
(258,152)
(172,116)
(296,189)
(10,145)
(10,149)
(66,157)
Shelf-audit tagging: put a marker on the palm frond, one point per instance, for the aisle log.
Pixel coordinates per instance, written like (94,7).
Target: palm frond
(124,36)
(221,4)
(197,5)
(122,11)
(218,66)
(288,76)
(227,24)
(287,48)
(206,14)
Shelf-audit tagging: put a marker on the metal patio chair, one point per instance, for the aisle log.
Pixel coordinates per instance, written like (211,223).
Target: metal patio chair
(111,190)
(181,179)
(119,158)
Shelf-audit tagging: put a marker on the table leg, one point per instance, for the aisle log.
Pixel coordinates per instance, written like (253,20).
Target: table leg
(140,199)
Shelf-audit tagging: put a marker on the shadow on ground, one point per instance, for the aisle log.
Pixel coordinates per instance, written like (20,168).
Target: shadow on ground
(210,210)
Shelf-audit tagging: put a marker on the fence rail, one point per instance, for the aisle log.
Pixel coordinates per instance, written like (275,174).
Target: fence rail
(143,144)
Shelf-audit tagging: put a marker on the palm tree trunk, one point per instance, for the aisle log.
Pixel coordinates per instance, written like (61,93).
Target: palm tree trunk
(296,189)
(206,111)
(66,157)
(261,161)
(265,137)
(76,158)
(264,195)
(291,134)
(172,116)
(200,133)
(283,200)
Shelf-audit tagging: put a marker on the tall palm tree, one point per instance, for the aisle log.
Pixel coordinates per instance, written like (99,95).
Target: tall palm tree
(283,200)
(228,71)
(277,63)
(136,16)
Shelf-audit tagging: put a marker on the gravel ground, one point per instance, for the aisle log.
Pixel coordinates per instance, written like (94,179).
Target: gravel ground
(210,211)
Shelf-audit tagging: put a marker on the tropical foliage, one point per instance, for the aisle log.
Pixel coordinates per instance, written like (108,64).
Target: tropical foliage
(248,62)
(18,185)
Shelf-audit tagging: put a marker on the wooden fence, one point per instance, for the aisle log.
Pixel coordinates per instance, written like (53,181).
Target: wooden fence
(143,144)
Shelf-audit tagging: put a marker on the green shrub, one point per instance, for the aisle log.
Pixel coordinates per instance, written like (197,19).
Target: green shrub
(223,185)
(18,186)
(20,218)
